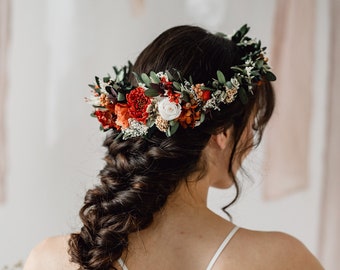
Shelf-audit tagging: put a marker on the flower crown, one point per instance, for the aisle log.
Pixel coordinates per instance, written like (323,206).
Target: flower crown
(162,102)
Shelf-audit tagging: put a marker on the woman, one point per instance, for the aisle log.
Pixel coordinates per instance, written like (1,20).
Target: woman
(183,120)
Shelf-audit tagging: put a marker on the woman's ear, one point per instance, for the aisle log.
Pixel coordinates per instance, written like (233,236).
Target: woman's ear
(222,139)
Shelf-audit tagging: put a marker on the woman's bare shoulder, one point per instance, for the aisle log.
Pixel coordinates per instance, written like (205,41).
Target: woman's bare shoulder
(271,250)
(50,254)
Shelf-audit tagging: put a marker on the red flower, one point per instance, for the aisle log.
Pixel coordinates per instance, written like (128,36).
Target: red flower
(166,84)
(106,119)
(173,96)
(206,95)
(138,103)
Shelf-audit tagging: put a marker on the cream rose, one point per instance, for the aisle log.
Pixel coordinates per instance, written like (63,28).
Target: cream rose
(169,110)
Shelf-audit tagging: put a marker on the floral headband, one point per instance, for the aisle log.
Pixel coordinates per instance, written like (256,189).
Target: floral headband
(161,102)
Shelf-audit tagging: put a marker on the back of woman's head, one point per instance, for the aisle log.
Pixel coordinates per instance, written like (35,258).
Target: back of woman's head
(141,172)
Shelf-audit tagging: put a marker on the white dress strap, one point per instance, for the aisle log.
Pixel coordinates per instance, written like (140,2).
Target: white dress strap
(222,247)
(214,258)
(122,264)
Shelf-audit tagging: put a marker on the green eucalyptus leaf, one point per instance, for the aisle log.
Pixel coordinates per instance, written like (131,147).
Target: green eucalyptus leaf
(191,80)
(244,29)
(116,70)
(243,95)
(146,79)
(120,97)
(138,78)
(215,84)
(270,76)
(179,75)
(170,77)
(172,122)
(177,85)
(168,132)
(92,86)
(119,136)
(154,77)
(229,84)
(185,97)
(174,127)
(255,73)
(206,88)
(106,79)
(120,76)
(202,118)
(151,92)
(259,64)
(150,122)
(238,69)
(220,77)
(237,37)
(116,87)
(97,81)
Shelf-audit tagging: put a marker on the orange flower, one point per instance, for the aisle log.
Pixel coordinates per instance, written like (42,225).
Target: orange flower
(201,94)
(189,116)
(122,113)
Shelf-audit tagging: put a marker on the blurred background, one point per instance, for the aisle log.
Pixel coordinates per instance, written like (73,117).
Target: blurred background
(50,148)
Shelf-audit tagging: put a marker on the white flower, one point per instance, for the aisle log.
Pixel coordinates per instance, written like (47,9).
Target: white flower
(250,62)
(169,110)
(135,129)
(248,70)
(162,75)
(142,85)
(94,100)
(235,82)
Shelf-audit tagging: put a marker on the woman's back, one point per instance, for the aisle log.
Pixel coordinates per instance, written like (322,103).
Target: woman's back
(186,235)
(246,250)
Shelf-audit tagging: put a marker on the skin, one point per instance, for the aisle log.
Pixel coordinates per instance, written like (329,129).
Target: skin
(186,234)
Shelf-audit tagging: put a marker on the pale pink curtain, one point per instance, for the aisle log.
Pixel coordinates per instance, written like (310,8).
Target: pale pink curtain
(287,137)
(4,31)
(330,209)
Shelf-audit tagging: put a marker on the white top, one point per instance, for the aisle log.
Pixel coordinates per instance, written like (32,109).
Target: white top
(214,258)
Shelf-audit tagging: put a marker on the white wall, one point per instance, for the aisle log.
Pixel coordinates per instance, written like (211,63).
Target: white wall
(54,149)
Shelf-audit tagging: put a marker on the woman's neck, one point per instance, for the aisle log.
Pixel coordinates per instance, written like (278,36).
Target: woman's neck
(184,221)
(184,208)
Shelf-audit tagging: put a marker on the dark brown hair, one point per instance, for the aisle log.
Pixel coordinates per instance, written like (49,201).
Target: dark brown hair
(140,173)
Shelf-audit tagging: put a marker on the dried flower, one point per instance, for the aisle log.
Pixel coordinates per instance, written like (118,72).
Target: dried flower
(161,124)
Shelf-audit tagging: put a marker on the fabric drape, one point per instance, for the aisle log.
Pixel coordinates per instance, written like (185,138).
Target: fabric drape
(4,33)
(287,137)
(330,213)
